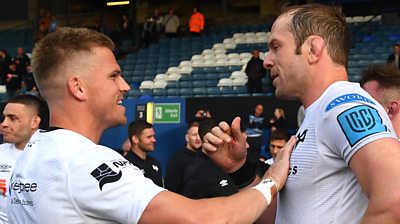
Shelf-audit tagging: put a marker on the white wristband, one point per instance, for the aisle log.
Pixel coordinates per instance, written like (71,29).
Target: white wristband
(268,188)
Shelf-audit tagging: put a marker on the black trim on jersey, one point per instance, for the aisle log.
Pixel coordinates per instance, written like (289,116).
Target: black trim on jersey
(50,129)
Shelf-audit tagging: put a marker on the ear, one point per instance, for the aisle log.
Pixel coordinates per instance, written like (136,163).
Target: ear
(316,48)
(76,87)
(393,109)
(135,139)
(36,122)
(187,138)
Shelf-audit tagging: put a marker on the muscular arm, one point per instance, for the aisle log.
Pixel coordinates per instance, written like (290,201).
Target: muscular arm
(168,207)
(243,207)
(377,168)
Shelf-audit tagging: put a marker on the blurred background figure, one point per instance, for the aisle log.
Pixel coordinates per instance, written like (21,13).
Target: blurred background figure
(176,166)
(171,24)
(255,71)
(142,137)
(278,120)
(255,126)
(196,22)
(394,57)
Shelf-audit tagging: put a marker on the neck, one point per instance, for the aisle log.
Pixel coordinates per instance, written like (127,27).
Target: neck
(142,154)
(323,78)
(85,127)
(189,147)
(20,145)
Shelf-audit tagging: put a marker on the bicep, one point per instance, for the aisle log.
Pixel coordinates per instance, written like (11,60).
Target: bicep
(168,207)
(376,167)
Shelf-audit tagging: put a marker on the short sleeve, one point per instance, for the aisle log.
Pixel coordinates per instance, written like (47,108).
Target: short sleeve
(345,128)
(107,186)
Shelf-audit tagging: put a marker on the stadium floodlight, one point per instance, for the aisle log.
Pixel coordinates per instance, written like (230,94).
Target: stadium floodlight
(118,3)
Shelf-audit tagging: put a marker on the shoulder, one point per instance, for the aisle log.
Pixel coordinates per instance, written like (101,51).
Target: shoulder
(5,146)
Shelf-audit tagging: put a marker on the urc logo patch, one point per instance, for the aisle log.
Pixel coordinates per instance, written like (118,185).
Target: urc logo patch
(359,122)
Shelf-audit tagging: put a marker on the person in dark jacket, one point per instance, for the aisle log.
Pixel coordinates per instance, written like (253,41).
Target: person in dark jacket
(255,71)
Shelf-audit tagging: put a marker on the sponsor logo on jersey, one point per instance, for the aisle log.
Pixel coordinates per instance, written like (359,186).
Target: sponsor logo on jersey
(21,187)
(223,183)
(120,163)
(3,188)
(5,168)
(360,122)
(347,99)
(104,174)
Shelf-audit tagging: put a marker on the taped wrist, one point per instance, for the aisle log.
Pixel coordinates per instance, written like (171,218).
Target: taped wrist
(268,188)
(245,175)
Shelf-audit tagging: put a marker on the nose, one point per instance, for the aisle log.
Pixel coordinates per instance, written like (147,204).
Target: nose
(4,123)
(124,85)
(268,63)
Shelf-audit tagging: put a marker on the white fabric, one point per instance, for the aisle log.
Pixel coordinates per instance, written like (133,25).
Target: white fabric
(8,157)
(321,187)
(62,166)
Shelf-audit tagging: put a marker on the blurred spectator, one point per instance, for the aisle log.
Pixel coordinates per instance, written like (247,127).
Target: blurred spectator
(21,60)
(196,22)
(148,29)
(255,71)
(44,25)
(126,28)
(382,82)
(5,61)
(171,24)
(202,114)
(53,24)
(157,19)
(13,81)
(176,166)
(116,36)
(278,120)
(254,129)
(277,140)
(202,178)
(394,57)
(126,146)
(142,137)
(28,82)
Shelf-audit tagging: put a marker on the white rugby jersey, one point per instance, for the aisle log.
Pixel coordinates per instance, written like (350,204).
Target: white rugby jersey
(321,187)
(63,177)
(8,157)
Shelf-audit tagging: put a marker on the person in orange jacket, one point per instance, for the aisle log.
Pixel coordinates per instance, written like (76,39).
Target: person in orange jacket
(196,22)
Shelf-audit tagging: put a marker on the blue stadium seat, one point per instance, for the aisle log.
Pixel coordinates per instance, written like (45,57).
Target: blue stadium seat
(199,92)
(186,92)
(159,92)
(211,82)
(172,92)
(199,83)
(212,91)
(185,84)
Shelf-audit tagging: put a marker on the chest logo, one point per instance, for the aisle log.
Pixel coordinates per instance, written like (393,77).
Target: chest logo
(301,137)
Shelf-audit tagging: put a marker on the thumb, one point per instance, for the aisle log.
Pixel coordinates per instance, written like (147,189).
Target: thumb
(235,130)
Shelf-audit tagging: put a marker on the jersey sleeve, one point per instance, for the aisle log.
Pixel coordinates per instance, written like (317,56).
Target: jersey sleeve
(351,121)
(108,186)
